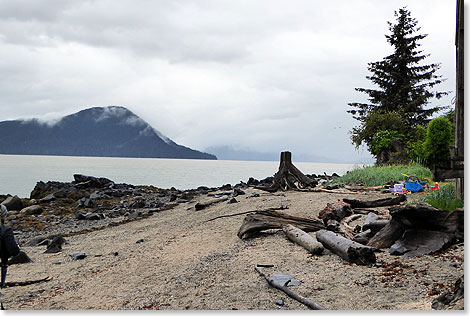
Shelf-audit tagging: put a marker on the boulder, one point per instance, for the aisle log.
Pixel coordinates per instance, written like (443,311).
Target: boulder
(32,210)
(80,214)
(13,203)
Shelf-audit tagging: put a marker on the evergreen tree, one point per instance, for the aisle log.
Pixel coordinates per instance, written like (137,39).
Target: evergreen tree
(405,86)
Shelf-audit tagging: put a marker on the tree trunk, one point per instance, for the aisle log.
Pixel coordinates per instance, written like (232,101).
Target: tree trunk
(335,211)
(262,220)
(303,239)
(376,203)
(288,176)
(347,249)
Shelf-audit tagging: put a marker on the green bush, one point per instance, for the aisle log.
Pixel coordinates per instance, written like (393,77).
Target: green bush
(444,198)
(439,136)
(381,175)
(382,141)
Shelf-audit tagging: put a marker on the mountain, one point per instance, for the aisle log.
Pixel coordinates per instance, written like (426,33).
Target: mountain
(112,131)
(230,153)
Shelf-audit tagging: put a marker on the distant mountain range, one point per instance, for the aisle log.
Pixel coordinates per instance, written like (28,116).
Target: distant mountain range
(112,131)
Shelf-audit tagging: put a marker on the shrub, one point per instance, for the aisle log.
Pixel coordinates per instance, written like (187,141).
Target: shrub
(439,136)
(444,198)
(381,175)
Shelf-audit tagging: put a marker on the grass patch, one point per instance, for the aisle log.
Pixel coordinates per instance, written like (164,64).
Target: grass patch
(381,175)
(444,198)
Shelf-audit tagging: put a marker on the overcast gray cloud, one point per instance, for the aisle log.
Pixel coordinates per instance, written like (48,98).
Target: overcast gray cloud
(257,75)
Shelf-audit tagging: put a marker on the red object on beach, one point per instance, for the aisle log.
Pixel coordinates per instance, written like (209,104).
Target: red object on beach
(435,187)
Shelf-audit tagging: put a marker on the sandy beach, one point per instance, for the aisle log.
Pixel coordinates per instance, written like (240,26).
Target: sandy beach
(177,259)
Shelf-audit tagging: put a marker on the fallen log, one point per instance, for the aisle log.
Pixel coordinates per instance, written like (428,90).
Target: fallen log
(349,250)
(303,239)
(203,204)
(288,177)
(373,223)
(308,302)
(335,211)
(282,207)
(376,203)
(262,220)
(387,236)
(363,237)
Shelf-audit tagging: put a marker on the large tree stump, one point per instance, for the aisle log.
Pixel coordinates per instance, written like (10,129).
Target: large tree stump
(288,176)
(349,250)
(262,220)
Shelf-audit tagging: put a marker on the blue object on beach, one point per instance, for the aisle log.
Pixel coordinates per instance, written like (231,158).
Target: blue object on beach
(413,185)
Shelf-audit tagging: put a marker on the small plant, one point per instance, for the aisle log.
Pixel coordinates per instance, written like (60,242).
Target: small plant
(444,198)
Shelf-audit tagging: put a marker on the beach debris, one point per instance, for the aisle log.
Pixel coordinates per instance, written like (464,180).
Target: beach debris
(232,200)
(288,177)
(238,191)
(303,239)
(283,287)
(139,241)
(375,203)
(334,212)
(373,223)
(203,204)
(363,237)
(415,243)
(55,245)
(31,210)
(281,279)
(451,296)
(78,256)
(282,207)
(263,220)
(279,302)
(20,258)
(421,217)
(349,250)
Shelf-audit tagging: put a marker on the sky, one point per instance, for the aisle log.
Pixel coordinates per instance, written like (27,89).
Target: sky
(254,75)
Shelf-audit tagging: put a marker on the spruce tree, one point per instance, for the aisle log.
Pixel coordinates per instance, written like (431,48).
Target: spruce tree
(404,84)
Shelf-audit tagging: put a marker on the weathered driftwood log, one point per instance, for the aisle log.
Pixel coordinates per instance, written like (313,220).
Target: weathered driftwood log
(288,176)
(424,216)
(421,217)
(376,203)
(363,211)
(335,211)
(308,302)
(262,220)
(418,242)
(373,223)
(303,239)
(387,236)
(203,204)
(347,249)
(363,237)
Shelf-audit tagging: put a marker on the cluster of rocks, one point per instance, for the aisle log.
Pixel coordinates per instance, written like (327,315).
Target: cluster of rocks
(62,208)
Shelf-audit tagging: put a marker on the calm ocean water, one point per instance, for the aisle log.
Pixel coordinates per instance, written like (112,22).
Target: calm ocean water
(19,173)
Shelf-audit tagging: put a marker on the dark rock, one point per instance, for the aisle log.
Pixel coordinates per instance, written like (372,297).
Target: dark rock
(279,302)
(93,217)
(60,194)
(56,262)
(20,258)
(80,214)
(139,203)
(252,181)
(56,245)
(139,241)
(226,187)
(13,203)
(281,279)
(173,197)
(48,198)
(32,210)
(238,191)
(115,253)
(255,194)
(78,256)
(232,200)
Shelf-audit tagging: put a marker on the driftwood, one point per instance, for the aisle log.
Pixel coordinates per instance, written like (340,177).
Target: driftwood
(203,204)
(387,236)
(335,211)
(363,211)
(308,302)
(282,207)
(303,239)
(363,237)
(373,223)
(262,220)
(349,250)
(288,176)
(418,217)
(336,191)
(376,203)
